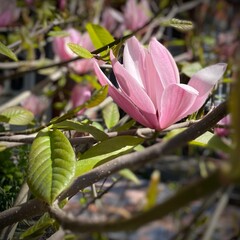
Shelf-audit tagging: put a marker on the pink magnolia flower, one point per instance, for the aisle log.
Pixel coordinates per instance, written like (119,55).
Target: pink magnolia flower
(65,53)
(136,14)
(223,132)
(149,85)
(35,104)
(80,94)
(9,12)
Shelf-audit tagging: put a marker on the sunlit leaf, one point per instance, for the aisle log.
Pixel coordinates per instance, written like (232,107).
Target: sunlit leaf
(79,50)
(211,141)
(16,116)
(82,127)
(51,164)
(105,151)
(4,50)
(111,115)
(100,36)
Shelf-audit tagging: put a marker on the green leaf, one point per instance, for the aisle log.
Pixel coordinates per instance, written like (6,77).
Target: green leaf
(97,97)
(2,147)
(16,116)
(82,127)
(179,24)
(191,68)
(51,164)
(80,51)
(106,151)
(100,36)
(38,229)
(58,34)
(211,141)
(4,50)
(152,191)
(130,175)
(111,115)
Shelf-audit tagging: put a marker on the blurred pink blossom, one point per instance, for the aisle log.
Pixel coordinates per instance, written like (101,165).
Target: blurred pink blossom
(61,4)
(35,104)
(223,132)
(136,14)
(80,94)
(65,53)
(9,12)
(149,85)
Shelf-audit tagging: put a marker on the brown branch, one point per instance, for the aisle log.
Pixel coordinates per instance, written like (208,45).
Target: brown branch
(131,161)
(137,159)
(27,210)
(192,192)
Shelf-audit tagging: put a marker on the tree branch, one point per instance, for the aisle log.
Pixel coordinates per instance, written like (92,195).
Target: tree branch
(131,161)
(192,192)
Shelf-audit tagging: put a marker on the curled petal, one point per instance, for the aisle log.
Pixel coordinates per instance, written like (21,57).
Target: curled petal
(176,100)
(203,81)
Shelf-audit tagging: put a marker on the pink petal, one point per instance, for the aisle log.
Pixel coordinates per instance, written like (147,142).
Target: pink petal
(121,99)
(133,59)
(203,81)
(164,63)
(176,100)
(130,86)
(138,63)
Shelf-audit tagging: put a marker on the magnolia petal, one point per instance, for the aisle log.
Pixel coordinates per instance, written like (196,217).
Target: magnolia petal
(164,63)
(133,58)
(138,63)
(203,81)
(176,100)
(132,89)
(121,99)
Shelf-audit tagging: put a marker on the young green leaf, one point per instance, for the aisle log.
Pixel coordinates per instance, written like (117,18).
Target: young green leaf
(111,115)
(106,151)
(16,116)
(100,36)
(38,229)
(130,175)
(4,50)
(97,97)
(181,25)
(152,191)
(80,51)
(82,127)
(51,164)
(211,141)
(58,34)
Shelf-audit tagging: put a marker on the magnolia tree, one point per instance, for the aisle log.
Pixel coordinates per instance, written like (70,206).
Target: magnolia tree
(104,100)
